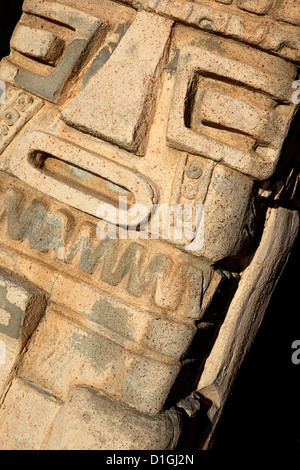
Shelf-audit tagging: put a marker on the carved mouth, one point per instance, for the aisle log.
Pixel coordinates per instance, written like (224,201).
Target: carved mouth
(77,177)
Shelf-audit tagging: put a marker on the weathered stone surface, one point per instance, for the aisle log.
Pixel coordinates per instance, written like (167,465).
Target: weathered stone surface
(37,43)
(21,307)
(138,272)
(218,243)
(255,6)
(85,28)
(245,312)
(255,29)
(17,109)
(247,30)
(85,165)
(226,111)
(107,425)
(142,200)
(26,417)
(103,363)
(117,102)
(194,60)
(289,11)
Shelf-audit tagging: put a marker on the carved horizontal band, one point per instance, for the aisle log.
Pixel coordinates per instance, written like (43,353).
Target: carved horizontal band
(264,31)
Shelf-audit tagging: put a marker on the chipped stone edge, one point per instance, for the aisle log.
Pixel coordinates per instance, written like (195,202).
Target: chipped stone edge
(246,312)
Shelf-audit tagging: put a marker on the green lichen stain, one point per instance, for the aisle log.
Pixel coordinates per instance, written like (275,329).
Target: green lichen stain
(114,318)
(212,44)
(42,231)
(98,351)
(172,67)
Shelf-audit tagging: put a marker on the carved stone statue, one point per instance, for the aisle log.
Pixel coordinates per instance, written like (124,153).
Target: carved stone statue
(148,207)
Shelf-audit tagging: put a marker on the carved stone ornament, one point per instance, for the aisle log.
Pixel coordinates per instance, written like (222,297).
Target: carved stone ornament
(148,190)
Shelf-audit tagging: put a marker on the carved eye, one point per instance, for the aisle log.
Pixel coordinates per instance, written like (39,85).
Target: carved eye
(193,170)
(3,130)
(217,118)
(23,101)
(190,189)
(10,116)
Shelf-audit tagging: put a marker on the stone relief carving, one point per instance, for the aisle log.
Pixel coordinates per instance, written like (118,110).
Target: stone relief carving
(121,342)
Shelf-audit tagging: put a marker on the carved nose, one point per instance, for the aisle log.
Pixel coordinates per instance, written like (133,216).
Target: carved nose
(117,102)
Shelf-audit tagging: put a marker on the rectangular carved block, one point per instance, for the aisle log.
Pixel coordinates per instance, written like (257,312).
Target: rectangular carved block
(62,235)
(117,102)
(255,6)
(246,29)
(84,29)
(200,181)
(86,356)
(226,111)
(64,171)
(21,306)
(37,43)
(288,10)
(100,423)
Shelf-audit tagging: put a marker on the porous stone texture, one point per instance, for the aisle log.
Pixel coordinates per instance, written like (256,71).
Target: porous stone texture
(121,324)
(37,43)
(21,306)
(120,109)
(92,414)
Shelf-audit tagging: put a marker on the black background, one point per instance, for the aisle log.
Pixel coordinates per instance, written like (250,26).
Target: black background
(263,411)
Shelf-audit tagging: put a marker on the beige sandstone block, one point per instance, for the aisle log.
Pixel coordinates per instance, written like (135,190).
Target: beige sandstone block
(288,10)
(255,6)
(180,135)
(91,421)
(22,305)
(16,110)
(8,361)
(38,167)
(116,101)
(103,363)
(284,41)
(245,29)
(224,218)
(26,417)
(85,29)
(38,43)
(165,102)
(235,114)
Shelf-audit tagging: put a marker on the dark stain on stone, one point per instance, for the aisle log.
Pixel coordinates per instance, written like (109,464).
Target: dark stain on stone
(105,54)
(114,318)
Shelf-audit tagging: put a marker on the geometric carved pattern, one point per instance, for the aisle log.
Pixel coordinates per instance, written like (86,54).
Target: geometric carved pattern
(55,232)
(84,29)
(19,107)
(267,128)
(136,320)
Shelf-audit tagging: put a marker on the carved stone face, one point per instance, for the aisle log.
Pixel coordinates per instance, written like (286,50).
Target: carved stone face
(161,104)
